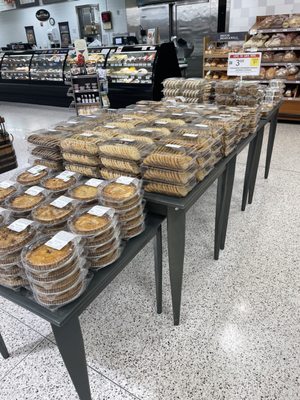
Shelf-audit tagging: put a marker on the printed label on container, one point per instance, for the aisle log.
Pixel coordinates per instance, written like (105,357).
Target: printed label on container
(94,182)
(201,125)
(127,140)
(126,180)
(146,130)
(161,122)
(174,146)
(61,201)
(180,114)
(110,126)
(37,169)
(87,134)
(20,225)
(192,135)
(60,240)
(98,211)
(6,184)
(34,190)
(65,176)
(72,122)
(127,118)
(191,112)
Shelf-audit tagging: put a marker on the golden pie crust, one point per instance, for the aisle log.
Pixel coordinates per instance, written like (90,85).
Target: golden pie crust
(59,286)
(26,178)
(67,296)
(57,274)
(47,213)
(101,238)
(57,184)
(4,193)
(101,262)
(118,191)
(25,202)
(88,223)
(13,281)
(102,250)
(43,257)
(10,240)
(84,192)
(123,205)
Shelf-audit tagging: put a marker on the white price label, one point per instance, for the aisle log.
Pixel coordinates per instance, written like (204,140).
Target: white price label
(72,122)
(98,211)
(191,112)
(161,122)
(201,125)
(65,176)
(37,169)
(104,51)
(191,135)
(6,184)
(60,240)
(127,140)
(127,118)
(125,180)
(61,202)
(94,182)
(146,130)
(144,48)
(119,49)
(110,126)
(34,190)
(174,146)
(86,134)
(20,224)
(178,114)
(241,64)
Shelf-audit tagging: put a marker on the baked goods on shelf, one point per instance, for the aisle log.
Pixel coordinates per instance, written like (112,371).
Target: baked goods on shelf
(54,211)
(171,156)
(14,235)
(61,182)
(125,149)
(32,176)
(7,188)
(86,170)
(84,143)
(87,191)
(25,202)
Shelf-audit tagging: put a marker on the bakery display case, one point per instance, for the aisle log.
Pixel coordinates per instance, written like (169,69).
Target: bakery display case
(278,38)
(216,49)
(16,66)
(48,65)
(136,72)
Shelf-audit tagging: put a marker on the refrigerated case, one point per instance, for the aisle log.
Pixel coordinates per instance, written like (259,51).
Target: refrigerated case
(16,66)
(48,65)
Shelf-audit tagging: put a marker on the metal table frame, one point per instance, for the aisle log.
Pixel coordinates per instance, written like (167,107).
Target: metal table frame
(65,321)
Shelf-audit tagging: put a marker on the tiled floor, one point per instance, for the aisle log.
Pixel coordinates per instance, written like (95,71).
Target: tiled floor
(239,337)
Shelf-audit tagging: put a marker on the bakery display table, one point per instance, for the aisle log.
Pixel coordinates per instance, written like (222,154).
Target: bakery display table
(65,322)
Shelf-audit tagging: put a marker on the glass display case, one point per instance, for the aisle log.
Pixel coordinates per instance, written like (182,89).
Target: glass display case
(16,66)
(48,65)
(131,65)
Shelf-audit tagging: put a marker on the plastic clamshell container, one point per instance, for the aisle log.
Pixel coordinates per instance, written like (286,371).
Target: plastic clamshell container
(4,215)
(85,170)
(121,191)
(131,232)
(61,182)
(225,87)
(48,138)
(99,262)
(55,211)
(169,176)
(104,249)
(127,149)
(131,135)
(203,172)
(7,189)
(84,159)
(26,200)
(110,174)
(86,191)
(96,221)
(84,143)
(168,188)
(171,156)
(15,234)
(127,166)
(154,133)
(32,175)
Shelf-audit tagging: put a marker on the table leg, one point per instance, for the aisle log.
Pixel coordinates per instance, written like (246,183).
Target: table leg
(158,269)
(254,167)
(221,188)
(272,133)
(228,193)
(3,349)
(176,246)
(247,172)
(70,344)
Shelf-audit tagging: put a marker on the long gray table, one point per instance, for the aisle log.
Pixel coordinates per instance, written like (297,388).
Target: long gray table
(65,322)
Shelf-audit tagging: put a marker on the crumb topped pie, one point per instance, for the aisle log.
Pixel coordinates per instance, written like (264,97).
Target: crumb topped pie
(49,214)
(88,223)
(11,240)
(84,192)
(25,202)
(118,191)
(42,257)
(26,178)
(5,192)
(57,184)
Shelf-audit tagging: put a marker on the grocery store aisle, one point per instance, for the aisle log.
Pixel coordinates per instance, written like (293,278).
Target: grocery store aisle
(239,336)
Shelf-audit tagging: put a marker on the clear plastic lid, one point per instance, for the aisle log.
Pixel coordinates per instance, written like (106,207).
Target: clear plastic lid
(84,143)
(104,250)
(131,135)
(131,232)
(84,170)
(110,174)
(173,83)
(171,156)
(49,138)
(99,262)
(60,182)
(169,176)
(7,189)
(51,164)
(32,176)
(4,215)
(15,234)
(126,166)
(93,222)
(154,133)
(169,189)
(125,148)
(169,122)
(84,159)
(121,190)
(225,87)
(86,191)
(56,211)
(26,201)
(53,154)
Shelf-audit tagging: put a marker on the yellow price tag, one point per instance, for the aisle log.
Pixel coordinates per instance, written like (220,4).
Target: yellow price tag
(254,62)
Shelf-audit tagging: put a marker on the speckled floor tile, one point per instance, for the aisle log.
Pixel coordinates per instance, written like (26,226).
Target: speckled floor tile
(43,376)
(20,341)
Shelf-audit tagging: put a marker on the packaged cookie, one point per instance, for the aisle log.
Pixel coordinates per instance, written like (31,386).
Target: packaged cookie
(126,166)
(32,176)
(85,170)
(49,154)
(170,176)
(171,156)
(23,202)
(81,159)
(125,149)
(7,189)
(223,88)
(110,174)
(14,235)
(50,138)
(61,182)
(154,133)
(53,165)
(84,143)
(56,211)
(133,136)
(169,189)
(4,215)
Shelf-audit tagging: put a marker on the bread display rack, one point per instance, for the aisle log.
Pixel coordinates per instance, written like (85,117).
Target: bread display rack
(216,49)
(278,38)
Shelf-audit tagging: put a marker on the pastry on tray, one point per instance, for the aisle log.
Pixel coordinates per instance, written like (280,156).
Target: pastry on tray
(28,178)
(25,202)
(90,224)
(12,241)
(56,184)
(50,215)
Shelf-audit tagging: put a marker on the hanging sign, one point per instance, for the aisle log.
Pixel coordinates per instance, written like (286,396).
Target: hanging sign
(242,64)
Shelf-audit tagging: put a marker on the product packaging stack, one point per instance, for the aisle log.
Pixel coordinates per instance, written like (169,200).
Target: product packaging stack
(191,90)
(44,146)
(170,169)
(125,195)
(99,228)
(14,235)
(55,268)
(25,200)
(273,95)
(123,156)
(86,191)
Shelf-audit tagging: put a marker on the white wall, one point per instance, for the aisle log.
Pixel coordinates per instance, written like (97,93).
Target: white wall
(243,12)
(12,22)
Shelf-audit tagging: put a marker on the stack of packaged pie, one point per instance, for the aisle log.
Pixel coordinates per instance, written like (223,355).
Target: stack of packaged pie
(170,169)
(125,195)
(7,189)
(14,235)
(32,176)
(86,191)
(53,214)
(60,183)
(45,147)
(225,93)
(99,228)
(55,269)
(123,156)
(23,202)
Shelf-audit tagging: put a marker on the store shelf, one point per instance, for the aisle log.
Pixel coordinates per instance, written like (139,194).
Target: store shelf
(215,68)
(88,104)
(215,56)
(87,91)
(129,65)
(273,30)
(273,48)
(268,80)
(279,64)
(291,98)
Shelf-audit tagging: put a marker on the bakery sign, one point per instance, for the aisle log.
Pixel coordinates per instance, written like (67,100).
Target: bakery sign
(244,64)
